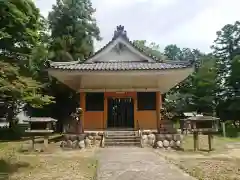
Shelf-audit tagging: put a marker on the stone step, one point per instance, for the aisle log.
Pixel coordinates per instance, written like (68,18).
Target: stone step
(120,133)
(107,144)
(122,140)
(122,137)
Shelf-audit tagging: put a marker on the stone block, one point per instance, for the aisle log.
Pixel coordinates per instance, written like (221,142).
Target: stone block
(159,144)
(81,137)
(81,144)
(100,133)
(98,137)
(165,143)
(172,143)
(144,137)
(160,137)
(178,144)
(73,137)
(168,137)
(69,144)
(75,144)
(90,137)
(103,142)
(177,137)
(63,144)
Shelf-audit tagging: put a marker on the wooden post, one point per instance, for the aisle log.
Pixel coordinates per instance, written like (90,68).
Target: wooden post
(158,107)
(45,141)
(195,141)
(82,105)
(195,137)
(136,122)
(224,129)
(33,142)
(105,115)
(210,138)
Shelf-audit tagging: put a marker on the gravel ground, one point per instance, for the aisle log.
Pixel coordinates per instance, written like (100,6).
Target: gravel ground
(57,165)
(132,163)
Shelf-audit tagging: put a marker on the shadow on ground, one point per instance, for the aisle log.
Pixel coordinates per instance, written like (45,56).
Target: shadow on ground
(7,168)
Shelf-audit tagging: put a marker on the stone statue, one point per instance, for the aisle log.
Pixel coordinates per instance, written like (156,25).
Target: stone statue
(74,124)
(77,121)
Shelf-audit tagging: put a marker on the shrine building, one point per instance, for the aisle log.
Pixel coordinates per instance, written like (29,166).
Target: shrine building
(121,85)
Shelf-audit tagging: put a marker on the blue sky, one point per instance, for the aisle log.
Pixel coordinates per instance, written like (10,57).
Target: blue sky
(187,23)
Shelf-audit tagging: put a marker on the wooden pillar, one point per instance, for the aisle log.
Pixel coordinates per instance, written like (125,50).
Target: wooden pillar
(224,129)
(105,112)
(158,108)
(45,141)
(83,106)
(210,139)
(195,137)
(33,142)
(195,141)
(136,121)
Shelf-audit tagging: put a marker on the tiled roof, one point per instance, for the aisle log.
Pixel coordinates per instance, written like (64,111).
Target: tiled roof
(121,32)
(116,66)
(120,65)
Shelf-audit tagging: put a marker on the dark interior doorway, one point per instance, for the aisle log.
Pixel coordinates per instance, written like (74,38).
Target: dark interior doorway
(120,113)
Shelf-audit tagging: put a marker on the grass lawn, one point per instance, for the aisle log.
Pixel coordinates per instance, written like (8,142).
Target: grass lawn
(219,144)
(57,164)
(221,164)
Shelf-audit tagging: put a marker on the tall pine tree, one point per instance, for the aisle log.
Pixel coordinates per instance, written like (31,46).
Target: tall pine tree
(73,30)
(226,47)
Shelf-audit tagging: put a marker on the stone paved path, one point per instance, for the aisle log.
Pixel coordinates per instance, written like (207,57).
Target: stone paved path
(133,163)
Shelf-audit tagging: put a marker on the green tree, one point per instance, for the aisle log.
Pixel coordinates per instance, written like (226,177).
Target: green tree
(233,82)
(152,48)
(16,90)
(186,55)
(234,78)
(172,52)
(20,29)
(197,92)
(203,88)
(225,48)
(73,29)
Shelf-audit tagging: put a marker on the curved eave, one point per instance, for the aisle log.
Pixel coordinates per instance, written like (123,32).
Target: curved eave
(79,71)
(134,80)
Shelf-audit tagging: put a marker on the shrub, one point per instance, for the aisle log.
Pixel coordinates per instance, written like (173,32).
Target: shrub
(14,133)
(231,130)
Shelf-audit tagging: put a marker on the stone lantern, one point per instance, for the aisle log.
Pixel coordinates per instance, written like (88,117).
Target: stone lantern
(40,126)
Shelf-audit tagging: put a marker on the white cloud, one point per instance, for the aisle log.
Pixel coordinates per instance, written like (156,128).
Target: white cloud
(187,23)
(200,32)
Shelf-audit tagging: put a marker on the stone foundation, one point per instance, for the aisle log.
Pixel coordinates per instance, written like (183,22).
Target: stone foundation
(81,141)
(167,141)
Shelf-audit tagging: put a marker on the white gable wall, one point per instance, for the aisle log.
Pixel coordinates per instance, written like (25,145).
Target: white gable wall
(129,53)
(125,55)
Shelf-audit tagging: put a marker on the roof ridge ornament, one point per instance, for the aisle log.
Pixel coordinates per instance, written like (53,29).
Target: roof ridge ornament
(120,31)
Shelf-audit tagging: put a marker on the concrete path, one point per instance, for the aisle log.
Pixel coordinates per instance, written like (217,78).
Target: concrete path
(132,163)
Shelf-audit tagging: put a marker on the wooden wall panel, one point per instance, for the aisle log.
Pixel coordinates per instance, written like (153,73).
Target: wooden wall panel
(146,119)
(98,120)
(94,120)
